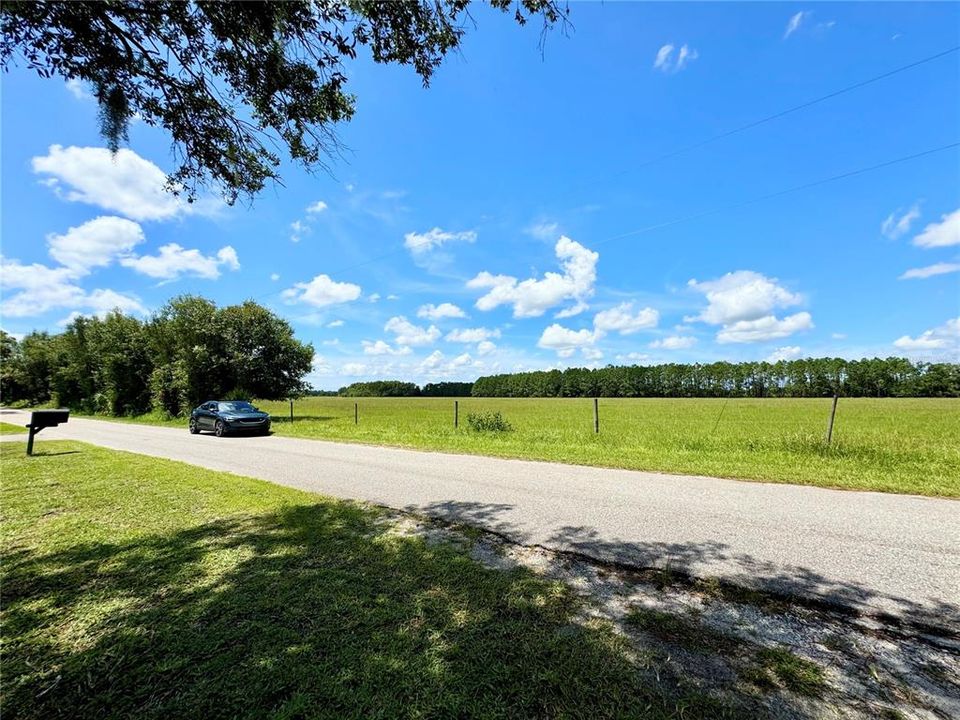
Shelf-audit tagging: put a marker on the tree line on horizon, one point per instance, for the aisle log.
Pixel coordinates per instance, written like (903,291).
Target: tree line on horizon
(809,377)
(188,352)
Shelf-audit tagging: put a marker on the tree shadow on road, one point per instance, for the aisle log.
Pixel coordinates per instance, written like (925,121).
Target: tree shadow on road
(690,559)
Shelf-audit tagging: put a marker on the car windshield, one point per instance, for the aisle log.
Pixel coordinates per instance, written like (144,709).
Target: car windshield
(236,406)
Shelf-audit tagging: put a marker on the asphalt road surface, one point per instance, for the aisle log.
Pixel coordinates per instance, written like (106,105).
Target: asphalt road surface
(896,554)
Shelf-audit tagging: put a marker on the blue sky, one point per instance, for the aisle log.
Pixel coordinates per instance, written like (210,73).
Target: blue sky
(509,216)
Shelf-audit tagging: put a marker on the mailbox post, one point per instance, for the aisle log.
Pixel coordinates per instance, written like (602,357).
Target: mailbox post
(40,419)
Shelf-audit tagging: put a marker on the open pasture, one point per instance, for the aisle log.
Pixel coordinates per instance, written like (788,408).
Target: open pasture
(905,445)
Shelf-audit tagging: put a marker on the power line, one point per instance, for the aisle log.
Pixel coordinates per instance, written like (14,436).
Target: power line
(777,115)
(778,193)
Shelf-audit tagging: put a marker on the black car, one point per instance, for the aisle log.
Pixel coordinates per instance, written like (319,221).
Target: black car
(229,416)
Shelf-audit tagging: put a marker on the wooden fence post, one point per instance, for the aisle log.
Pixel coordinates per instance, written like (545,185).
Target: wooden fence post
(356,413)
(833,412)
(456,414)
(596,416)
(291,410)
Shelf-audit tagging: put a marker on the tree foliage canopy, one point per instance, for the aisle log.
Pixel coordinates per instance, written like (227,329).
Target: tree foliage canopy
(189,352)
(234,82)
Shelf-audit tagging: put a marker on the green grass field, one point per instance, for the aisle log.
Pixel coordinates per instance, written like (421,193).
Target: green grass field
(10,429)
(888,445)
(140,587)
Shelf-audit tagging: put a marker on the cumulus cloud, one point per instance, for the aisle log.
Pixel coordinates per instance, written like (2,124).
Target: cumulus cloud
(381,348)
(674,342)
(173,262)
(943,340)
(788,352)
(795,21)
(318,207)
(335,324)
(122,182)
(942,268)
(533,297)
(95,243)
(667,61)
(743,304)
(544,230)
(437,365)
(898,223)
(274,276)
(298,229)
(43,288)
(471,335)
(322,291)
(565,341)
(633,357)
(419,243)
(438,312)
(765,328)
(409,334)
(941,234)
(622,319)
(485,348)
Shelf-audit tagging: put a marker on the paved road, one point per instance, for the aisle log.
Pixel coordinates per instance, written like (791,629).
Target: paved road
(871,551)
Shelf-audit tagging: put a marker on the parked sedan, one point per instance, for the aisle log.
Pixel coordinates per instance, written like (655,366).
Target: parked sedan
(229,416)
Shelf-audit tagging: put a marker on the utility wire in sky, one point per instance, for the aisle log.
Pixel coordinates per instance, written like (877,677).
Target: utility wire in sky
(775,116)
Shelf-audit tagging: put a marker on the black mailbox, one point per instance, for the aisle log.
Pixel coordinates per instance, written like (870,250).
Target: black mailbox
(40,419)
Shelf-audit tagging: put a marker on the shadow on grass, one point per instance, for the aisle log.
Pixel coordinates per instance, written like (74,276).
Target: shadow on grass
(689,559)
(313,611)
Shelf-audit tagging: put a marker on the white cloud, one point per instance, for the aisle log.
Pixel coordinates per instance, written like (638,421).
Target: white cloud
(795,22)
(298,229)
(419,243)
(373,297)
(945,339)
(623,320)
(471,335)
(741,295)
(173,261)
(334,341)
(591,353)
(393,297)
(321,366)
(743,304)
(322,291)
(930,270)
(544,230)
(532,297)
(633,357)
(43,288)
(438,312)
(436,364)
(485,348)
(764,328)
(335,324)
(674,342)
(318,207)
(668,62)
(788,352)
(381,348)
(122,182)
(274,276)
(941,234)
(565,341)
(354,369)
(409,334)
(838,336)
(78,89)
(95,243)
(897,223)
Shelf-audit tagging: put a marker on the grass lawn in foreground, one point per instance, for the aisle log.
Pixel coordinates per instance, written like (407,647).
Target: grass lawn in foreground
(906,445)
(140,587)
(10,429)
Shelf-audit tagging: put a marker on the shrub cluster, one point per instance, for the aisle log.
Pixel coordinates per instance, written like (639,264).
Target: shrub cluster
(488,422)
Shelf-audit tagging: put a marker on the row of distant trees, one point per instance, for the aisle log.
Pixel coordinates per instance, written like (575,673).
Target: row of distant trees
(398,388)
(188,352)
(811,377)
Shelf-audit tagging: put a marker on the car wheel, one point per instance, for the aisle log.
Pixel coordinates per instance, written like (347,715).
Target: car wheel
(219,429)
(193,426)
